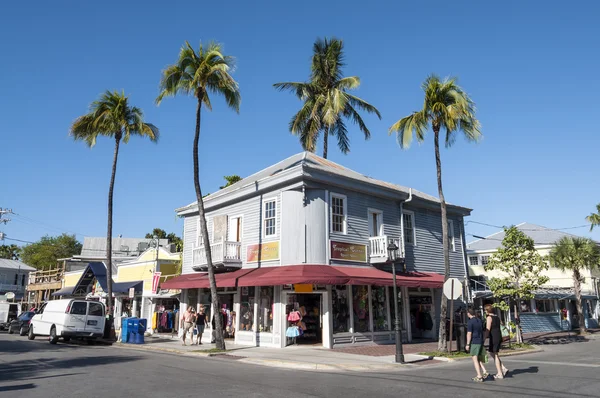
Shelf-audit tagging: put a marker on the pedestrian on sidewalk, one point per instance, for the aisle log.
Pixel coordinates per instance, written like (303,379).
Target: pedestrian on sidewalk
(475,345)
(494,333)
(201,323)
(187,323)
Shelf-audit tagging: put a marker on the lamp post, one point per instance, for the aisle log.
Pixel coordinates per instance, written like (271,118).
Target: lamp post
(393,256)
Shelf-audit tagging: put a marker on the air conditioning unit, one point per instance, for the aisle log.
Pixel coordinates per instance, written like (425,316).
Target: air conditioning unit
(143,246)
(124,248)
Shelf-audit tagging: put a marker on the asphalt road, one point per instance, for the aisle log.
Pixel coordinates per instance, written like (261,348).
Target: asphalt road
(38,369)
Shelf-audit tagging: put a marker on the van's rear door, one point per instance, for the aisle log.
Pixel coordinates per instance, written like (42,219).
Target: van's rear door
(76,320)
(95,318)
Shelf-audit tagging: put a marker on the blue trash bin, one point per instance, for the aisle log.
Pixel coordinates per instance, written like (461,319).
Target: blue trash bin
(124,330)
(132,329)
(141,330)
(139,338)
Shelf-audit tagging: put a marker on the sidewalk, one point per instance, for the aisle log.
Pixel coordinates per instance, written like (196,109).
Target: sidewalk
(292,357)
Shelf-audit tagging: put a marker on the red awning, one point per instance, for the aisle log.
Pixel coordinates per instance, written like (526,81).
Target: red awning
(186,281)
(319,274)
(313,274)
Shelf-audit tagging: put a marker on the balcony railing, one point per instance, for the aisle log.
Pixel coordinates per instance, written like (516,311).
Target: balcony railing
(378,248)
(224,253)
(5,287)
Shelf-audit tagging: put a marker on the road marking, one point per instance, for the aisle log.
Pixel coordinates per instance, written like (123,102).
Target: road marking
(581,365)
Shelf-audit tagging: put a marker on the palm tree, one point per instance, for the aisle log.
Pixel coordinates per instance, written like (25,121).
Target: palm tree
(198,74)
(112,116)
(594,218)
(446,107)
(576,254)
(326,99)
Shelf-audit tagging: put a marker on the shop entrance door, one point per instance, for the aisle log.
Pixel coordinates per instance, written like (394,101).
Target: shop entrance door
(226,301)
(310,307)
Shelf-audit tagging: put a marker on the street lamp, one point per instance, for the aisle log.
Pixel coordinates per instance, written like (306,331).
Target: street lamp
(393,256)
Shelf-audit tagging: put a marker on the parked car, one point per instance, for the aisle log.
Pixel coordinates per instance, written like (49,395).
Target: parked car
(68,318)
(21,324)
(8,312)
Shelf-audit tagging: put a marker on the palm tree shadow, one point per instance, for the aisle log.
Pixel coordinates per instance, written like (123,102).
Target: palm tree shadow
(27,386)
(531,369)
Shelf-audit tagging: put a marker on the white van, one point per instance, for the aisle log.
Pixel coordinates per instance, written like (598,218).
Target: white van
(68,318)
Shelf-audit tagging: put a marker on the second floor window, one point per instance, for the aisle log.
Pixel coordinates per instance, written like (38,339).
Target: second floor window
(410,237)
(485,260)
(269,217)
(451,244)
(338,213)
(474,260)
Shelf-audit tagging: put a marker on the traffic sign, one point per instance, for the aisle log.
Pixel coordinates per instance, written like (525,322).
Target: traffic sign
(452,289)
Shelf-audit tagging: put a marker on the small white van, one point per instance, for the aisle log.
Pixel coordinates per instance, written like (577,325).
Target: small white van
(68,318)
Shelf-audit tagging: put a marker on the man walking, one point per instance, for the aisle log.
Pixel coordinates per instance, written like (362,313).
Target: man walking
(475,345)
(187,323)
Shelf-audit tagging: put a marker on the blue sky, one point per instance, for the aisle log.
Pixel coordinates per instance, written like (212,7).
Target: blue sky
(532,70)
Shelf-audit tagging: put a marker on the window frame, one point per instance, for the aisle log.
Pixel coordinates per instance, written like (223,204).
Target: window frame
(89,312)
(78,303)
(264,217)
(476,257)
(344,198)
(379,215)
(487,257)
(451,235)
(414,229)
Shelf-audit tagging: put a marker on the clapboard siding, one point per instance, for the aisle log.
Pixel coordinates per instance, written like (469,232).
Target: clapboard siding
(316,226)
(427,255)
(250,210)
(358,205)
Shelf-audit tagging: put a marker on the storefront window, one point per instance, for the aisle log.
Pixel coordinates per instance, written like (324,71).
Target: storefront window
(247,308)
(360,305)
(265,316)
(393,311)
(379,309)
(525,307)
(545,306)
(204,299)
(341,317)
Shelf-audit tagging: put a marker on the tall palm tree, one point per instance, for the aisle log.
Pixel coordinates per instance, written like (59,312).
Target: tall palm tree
(198,74)
(446,107)
(594,218)
(576,254)
(326,99)
(111,116)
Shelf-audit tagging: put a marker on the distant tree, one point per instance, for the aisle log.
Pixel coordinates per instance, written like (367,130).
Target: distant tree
(521,270)
(158,232)
(574,254)
(10,252)
(594,218)
(171,237)
(44,253)
(201,74)
(111,116)
(446,107)
(231,180)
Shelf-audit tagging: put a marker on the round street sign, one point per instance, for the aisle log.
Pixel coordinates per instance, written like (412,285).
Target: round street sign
(450,292)
(10,295)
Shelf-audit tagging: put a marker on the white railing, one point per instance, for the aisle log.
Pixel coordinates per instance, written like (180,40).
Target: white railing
(223,252)
(378,246)
(4,287)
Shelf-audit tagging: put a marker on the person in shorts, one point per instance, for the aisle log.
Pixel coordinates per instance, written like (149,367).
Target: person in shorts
(493,331)
(475,345)
(187,323)
(201,323)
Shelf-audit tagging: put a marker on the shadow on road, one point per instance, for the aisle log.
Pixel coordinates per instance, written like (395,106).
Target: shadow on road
(18,387)
(531,369)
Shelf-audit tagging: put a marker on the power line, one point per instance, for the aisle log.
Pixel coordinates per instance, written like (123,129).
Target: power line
(30,220)
(19,240)
(527,229)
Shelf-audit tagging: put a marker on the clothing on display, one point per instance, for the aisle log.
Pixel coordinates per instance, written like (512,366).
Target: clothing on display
(304,319)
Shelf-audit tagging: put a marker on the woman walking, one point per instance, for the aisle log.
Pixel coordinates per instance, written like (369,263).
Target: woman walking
(494,333)
(201,323)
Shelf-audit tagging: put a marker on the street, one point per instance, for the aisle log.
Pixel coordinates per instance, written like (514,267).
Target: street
(38,369)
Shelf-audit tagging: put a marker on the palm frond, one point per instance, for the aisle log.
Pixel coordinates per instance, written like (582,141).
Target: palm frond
(405,128)
(363,105)
(594,218)
(339,130)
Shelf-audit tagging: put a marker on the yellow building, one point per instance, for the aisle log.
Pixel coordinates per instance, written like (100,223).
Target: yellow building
(544,313)
(146,268)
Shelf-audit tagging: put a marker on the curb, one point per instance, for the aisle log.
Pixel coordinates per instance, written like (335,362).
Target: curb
(160,349)
(504,354)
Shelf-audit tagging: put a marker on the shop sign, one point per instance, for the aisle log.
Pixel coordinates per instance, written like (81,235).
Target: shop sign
(262,252)
(303,288)
(155,280)
(348,252)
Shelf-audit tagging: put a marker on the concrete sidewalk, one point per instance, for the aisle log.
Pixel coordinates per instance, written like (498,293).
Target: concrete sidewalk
(291,357)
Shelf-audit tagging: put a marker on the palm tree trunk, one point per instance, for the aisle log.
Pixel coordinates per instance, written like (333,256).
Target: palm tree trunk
(219,337)
(109,299)
(325,141)
(577,288)
(442,346)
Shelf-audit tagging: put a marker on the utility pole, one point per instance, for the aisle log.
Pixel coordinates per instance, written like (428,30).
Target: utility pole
(4,221)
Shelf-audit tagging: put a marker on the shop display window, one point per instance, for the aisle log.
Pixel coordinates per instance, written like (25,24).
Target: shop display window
(360,305)
(341,316)
(267,307)
(545,306)
(248,297)
(380,322)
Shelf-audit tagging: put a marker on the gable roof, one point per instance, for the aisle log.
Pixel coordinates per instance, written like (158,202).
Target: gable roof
(541,236)
(95,247)
(307,163)
(15,264)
